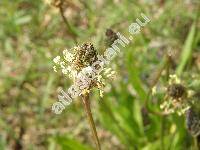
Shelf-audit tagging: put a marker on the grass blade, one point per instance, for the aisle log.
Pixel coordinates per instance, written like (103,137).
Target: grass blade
(187,50)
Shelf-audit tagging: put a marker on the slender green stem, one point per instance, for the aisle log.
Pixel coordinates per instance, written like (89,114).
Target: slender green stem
(196,143)
(71,30)
(162,132)
(86,104)
(168,63)
(154,82)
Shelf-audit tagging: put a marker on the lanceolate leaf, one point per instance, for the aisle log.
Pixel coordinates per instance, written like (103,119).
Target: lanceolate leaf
(187,50)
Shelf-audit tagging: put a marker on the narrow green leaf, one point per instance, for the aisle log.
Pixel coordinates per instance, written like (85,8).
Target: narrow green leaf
(187,50)
(70,144)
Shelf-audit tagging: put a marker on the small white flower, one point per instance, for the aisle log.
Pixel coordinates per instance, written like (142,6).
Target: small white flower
(78,64)
(54,68)
(109,73)
(62,64)
(88,71)
(154,90)
(174,79)
(57,59)
(68,56)
(101,93)
(64,71)
(107,70)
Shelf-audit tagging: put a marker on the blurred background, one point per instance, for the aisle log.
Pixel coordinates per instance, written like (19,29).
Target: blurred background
(33,32)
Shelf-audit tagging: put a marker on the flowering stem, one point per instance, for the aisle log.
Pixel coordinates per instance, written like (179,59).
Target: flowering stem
(71,30)
(86,104)
(197,143)
(165,65)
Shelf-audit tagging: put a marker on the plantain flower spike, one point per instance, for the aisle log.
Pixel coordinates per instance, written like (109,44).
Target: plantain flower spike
(176,99)
(78,64)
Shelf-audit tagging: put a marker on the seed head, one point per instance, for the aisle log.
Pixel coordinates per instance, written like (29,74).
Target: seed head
(176,91)
(84,56)
(176,99)
(111,36)
(193,122)
(76,59)
(77,63)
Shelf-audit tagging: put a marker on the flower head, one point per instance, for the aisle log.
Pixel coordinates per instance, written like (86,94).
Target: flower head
(76,59)
(176,99)
(111,36)
(78,63)
(193,122)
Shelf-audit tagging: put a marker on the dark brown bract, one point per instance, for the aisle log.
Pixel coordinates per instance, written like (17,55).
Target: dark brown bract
(176,91)
(193,122)
(111,36)
(85,56)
